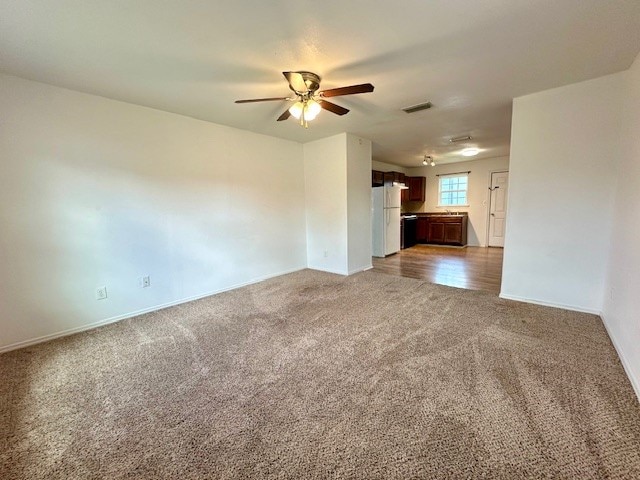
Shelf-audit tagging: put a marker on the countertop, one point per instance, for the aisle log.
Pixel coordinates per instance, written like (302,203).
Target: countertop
(437,214)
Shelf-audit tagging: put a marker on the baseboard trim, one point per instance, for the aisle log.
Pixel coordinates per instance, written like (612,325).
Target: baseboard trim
(361,269)
(328,270)
(550,304)
(635,382)
(117,318)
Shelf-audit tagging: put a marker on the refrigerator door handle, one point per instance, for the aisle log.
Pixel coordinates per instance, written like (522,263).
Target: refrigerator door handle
(388,214)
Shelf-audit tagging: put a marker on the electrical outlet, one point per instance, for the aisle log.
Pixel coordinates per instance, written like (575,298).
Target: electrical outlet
(101,293)
(145,281)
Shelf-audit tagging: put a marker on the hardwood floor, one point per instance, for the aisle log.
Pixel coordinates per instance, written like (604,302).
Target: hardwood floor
(474,268)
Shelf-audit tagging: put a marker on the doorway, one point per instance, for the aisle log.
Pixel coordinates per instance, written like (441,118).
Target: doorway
(499,188)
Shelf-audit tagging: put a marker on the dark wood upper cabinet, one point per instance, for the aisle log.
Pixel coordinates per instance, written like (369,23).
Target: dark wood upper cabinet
(416,188)
(377,178)
(415,192)
(391,177)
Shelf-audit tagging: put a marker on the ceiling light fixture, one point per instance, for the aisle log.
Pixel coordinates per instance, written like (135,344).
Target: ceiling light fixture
(470,152)
(305,110)
(313,109)
(296,109)
(308,99)
(460,139)
(428,160)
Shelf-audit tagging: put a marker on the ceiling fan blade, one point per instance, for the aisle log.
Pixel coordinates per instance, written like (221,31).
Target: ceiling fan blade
(284,115)
(296,82)
(351,90)
(252,100)
(333,108)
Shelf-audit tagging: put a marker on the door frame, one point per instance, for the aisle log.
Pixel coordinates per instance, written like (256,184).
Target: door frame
(488,232)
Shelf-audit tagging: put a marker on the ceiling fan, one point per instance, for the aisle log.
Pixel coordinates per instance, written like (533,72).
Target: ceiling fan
(308,100)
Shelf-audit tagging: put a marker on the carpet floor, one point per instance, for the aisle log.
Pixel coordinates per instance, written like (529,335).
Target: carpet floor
(314,375)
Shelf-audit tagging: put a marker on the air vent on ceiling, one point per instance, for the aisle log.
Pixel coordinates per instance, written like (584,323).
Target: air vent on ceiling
(417,108)
(460,139)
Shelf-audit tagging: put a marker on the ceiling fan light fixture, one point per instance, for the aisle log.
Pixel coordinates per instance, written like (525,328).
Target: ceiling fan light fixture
(309,102)
(296,109)
(311,109)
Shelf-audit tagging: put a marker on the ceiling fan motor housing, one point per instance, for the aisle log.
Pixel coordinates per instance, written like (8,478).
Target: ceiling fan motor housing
(311,80)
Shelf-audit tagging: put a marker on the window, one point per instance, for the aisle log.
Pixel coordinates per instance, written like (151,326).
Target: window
(453,190)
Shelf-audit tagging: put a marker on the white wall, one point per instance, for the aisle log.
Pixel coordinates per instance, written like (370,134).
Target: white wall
(478,193)
(622,290)
(337,172)
(97,192)
(358,203)
(325,174)
(565,143)
(386,167)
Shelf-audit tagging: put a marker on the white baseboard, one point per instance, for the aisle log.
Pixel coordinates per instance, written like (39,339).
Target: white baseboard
(550,304)
(106,321)
(361,269)
(635,382)
(329,270)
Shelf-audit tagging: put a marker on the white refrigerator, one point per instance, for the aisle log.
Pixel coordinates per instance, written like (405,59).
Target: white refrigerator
(385,220)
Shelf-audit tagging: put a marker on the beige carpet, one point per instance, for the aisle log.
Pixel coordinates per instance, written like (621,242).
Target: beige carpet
(313,375)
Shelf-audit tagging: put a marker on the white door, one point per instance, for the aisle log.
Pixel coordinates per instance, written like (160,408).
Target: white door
(498,208)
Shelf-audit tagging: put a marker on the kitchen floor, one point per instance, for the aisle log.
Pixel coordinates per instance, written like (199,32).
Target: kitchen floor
(473,268)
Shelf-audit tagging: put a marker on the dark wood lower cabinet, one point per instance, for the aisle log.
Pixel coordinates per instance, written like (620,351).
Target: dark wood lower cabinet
(422,229)
(453,234)
(442,229)
(436,232)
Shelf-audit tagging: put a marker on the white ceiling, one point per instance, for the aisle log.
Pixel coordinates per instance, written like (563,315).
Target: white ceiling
(468,57)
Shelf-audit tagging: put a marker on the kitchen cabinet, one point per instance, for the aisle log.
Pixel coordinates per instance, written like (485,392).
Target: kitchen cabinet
(422,230)
(393,177)
(435,231)
(377,178)
(415,193)
(443,229)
